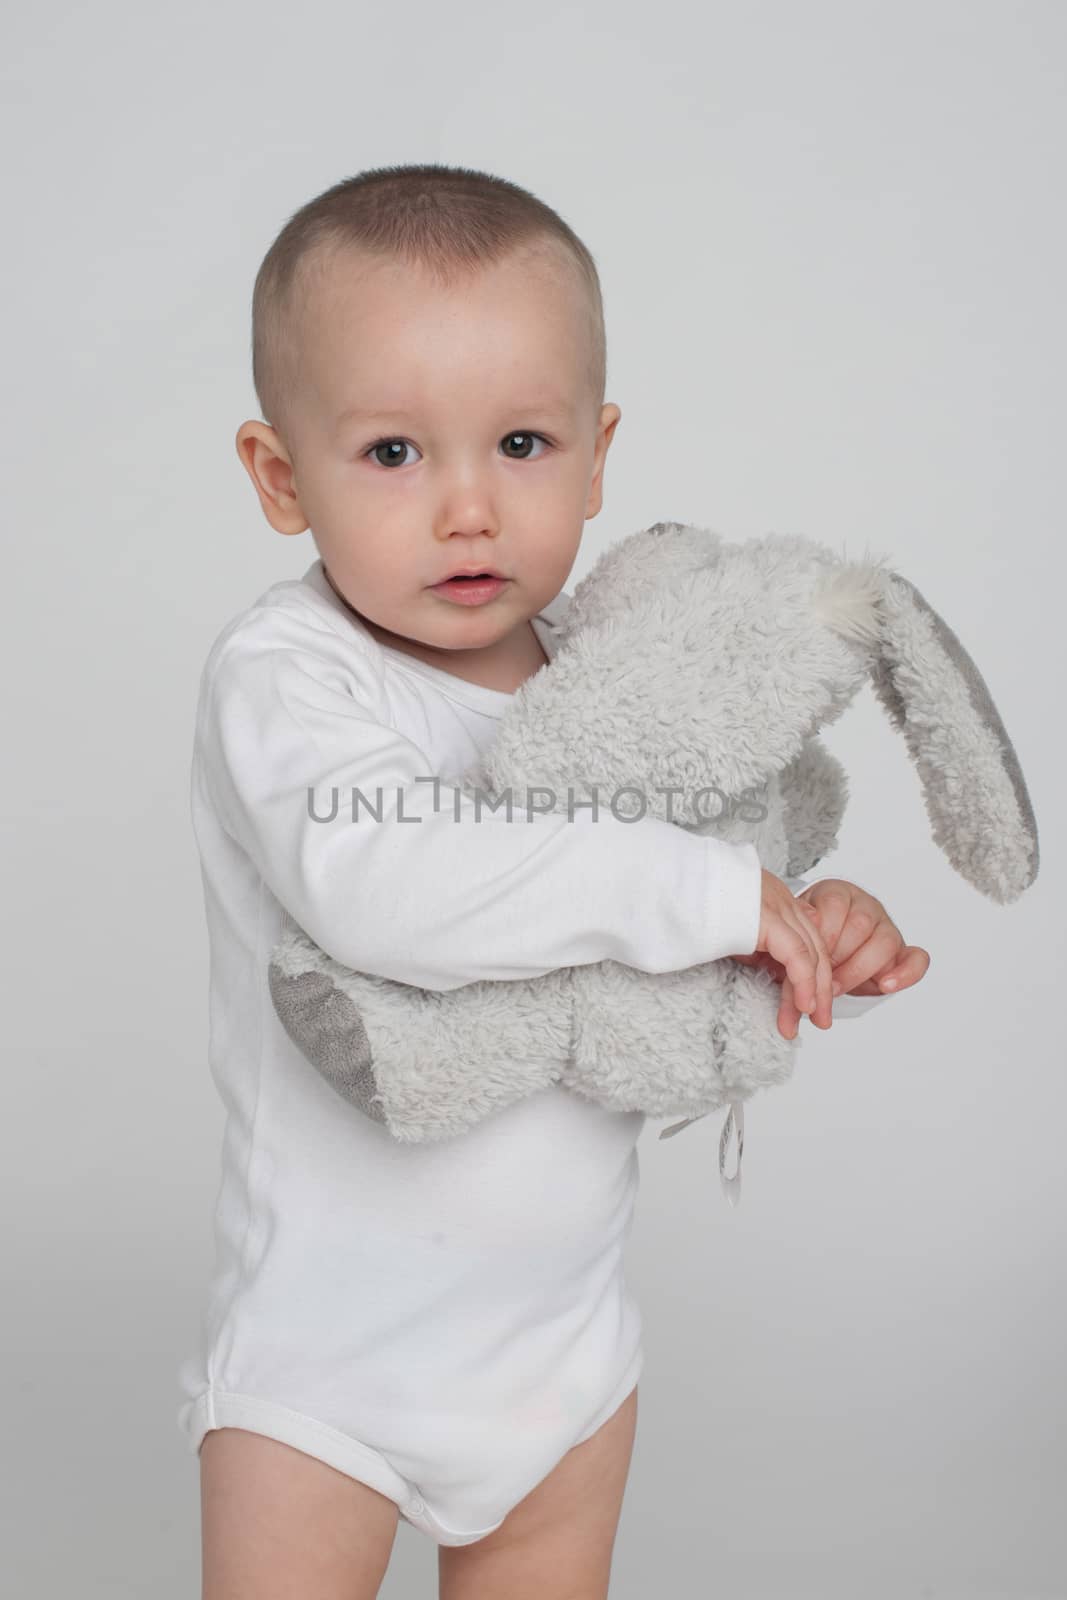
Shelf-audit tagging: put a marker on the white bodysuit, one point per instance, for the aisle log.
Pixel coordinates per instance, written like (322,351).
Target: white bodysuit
(441,1321)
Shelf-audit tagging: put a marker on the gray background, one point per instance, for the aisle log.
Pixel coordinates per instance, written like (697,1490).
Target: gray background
(832,246)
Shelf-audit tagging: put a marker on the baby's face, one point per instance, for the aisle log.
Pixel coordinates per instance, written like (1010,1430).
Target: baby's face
(439,429)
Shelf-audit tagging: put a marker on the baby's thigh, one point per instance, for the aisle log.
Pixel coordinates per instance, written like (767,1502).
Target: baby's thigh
(557,1543)
(277,1524)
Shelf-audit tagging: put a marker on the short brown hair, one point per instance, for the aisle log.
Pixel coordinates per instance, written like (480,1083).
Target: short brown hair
(449,219)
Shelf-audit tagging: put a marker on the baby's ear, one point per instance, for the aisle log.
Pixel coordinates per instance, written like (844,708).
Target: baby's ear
(972,784)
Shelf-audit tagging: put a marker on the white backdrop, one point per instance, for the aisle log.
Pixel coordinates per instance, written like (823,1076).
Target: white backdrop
(832,245)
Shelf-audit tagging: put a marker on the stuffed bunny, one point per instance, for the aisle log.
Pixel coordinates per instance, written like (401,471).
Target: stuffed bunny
(691,665)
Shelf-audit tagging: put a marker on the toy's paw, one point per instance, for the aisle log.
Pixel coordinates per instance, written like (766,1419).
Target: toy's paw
(753,1054)
(694,1041)
(689,1043)
(814,791)
(328,1029)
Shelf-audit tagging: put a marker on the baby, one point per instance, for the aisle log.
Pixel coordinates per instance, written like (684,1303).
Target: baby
(440,1332)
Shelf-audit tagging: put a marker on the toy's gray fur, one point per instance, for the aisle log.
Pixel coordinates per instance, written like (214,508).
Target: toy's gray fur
(688,663)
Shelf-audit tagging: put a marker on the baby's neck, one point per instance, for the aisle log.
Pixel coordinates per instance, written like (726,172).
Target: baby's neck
(504,666)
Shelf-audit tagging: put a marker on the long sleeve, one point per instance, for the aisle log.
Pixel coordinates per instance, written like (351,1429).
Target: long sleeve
(435,894)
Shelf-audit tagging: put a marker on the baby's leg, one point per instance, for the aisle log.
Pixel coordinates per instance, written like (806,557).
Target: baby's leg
(277,1524)
(557,1543)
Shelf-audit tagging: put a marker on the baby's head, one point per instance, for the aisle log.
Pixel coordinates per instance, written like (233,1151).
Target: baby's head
(429,353)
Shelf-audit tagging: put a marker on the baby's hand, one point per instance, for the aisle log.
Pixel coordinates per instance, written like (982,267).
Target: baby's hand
(867,952)
(791,945)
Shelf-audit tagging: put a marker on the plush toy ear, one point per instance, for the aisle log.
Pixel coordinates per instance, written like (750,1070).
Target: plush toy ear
(973,788)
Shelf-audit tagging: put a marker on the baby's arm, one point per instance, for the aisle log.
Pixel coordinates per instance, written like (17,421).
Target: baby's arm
(421,897)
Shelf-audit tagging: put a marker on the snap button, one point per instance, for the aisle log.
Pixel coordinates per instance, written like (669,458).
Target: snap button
(417,1506)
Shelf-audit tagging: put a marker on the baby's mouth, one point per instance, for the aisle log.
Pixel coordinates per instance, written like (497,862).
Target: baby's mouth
(472,589)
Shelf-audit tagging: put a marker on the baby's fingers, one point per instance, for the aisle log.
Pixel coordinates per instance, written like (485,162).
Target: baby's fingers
(908,969)
(823,1015)
(876,954)
(809,974)
(788,1014)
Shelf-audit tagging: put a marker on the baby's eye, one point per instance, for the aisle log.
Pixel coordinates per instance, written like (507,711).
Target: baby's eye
(388,444)
(525,438)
